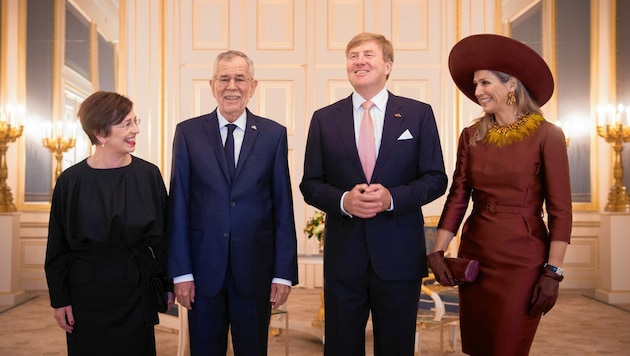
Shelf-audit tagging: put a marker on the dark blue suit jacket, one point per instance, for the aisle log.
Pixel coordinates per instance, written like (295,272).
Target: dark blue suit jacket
(411,169)
(250,219)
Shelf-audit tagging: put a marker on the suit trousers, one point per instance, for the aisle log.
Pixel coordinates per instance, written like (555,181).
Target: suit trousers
(247,319)
(348,303)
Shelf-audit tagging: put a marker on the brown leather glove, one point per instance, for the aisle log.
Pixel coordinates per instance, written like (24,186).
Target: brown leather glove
(545,293)
(440,269)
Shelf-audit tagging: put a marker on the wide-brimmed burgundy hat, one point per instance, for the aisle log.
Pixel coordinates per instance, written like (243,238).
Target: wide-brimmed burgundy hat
(503,54)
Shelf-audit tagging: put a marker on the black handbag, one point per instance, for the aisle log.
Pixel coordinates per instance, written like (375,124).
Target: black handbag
(160,294)
(158,286)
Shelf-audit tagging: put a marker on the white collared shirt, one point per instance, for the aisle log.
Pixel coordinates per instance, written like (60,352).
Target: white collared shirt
(377,112)
(239,132)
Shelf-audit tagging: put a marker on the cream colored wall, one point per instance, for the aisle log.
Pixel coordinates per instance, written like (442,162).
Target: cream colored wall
(167,51)
(298,51)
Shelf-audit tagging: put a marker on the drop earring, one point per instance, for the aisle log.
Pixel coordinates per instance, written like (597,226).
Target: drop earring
(511,98)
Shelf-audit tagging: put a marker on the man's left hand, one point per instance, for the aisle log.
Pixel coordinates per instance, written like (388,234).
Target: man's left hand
(377,192)
(279,294)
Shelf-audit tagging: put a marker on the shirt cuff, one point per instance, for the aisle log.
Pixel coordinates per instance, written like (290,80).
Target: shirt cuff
(183,278)
(286,282)
(341,205)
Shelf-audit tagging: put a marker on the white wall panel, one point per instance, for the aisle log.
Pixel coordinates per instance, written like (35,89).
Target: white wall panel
(583,253)
(345,18)
(196,94)
(210,24)
(273,15)
(32,254)
(410,24)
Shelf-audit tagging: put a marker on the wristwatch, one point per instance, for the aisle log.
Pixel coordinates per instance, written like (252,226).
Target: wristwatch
(557,270)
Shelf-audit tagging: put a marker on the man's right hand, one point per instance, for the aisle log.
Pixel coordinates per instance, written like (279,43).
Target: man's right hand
(185,292)
(363,201)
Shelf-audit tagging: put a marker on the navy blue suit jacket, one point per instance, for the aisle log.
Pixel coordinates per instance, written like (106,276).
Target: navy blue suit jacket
(249,219)
(411,169)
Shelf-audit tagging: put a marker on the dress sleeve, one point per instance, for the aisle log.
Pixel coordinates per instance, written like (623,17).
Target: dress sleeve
(557,185)
(459,193)
(58,252)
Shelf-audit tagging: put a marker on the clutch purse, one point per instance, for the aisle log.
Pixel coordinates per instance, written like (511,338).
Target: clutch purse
(158,285)
(160,294)
(463,269)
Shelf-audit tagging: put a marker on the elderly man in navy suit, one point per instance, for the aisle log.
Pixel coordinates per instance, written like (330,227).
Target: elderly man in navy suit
(372,160)
(232,247)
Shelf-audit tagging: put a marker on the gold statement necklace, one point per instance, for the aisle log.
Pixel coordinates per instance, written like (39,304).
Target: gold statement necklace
(506,135)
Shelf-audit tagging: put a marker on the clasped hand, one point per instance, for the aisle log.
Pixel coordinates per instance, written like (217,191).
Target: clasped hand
(365,201)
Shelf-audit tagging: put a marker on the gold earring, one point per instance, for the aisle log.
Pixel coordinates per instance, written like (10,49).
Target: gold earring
(511,98)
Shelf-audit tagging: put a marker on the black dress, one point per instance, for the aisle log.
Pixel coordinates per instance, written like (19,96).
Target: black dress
(102,223)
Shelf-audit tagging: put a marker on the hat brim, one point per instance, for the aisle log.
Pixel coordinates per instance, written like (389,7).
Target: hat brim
(503,54)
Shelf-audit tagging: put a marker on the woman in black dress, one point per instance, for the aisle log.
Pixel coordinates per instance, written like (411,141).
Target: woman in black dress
(106,237)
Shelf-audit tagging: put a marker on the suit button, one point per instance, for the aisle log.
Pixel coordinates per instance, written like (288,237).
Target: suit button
(232,204)
(226,235)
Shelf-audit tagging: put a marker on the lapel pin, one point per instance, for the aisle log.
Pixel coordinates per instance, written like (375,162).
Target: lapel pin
(397,115)
(254,127)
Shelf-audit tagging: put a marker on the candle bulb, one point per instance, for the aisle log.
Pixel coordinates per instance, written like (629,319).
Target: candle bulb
(58,129)
(73,130)
(20,116)
(610,115)
(619,115)
(9,118)
(601,116)
(48,130)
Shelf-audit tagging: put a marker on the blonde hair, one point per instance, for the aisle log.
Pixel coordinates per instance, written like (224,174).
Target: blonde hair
(524,103)
(382,41)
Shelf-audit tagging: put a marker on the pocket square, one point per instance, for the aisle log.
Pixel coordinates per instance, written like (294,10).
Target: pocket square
(405,136)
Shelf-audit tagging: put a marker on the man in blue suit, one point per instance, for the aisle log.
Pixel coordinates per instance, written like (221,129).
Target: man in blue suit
(232,248)
(375,253)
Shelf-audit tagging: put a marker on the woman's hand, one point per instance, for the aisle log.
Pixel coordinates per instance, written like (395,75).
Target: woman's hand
(545,293)
(440,269)
(65,318)
(170,299)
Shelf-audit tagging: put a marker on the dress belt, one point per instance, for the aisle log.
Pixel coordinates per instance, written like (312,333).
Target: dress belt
(507,209)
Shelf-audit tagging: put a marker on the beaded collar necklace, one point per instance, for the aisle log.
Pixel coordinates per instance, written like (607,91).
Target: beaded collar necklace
(523,127)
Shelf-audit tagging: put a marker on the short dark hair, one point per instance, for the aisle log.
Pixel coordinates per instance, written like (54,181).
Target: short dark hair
(99,111)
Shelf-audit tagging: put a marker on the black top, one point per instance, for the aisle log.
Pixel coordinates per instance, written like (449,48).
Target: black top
(101,214)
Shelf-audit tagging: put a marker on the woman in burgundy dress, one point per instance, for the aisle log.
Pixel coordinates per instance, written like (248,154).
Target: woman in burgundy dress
(511,162)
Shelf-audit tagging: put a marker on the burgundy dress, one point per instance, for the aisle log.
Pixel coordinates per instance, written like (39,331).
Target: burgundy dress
(506,232)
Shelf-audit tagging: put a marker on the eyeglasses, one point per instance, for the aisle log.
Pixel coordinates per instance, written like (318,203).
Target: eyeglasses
(224,81)
(127,123)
